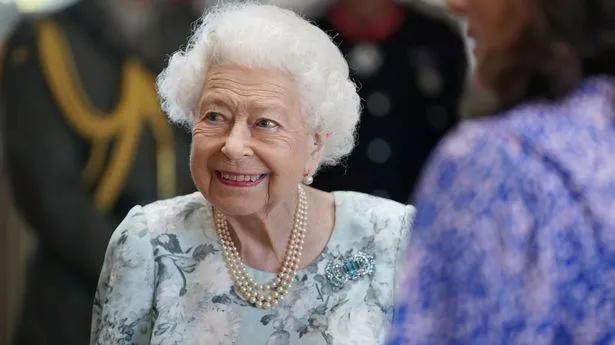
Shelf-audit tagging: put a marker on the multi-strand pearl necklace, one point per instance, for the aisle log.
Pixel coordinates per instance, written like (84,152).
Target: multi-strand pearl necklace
(269,294)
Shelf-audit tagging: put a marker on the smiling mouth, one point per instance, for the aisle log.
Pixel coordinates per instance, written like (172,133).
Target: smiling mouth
(240,180)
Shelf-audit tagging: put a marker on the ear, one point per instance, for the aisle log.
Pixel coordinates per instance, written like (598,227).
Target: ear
(316,146)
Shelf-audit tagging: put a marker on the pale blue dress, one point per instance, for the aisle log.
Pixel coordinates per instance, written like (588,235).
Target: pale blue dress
(164,281)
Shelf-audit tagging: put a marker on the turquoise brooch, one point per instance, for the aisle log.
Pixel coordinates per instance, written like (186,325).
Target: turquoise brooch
(349,268)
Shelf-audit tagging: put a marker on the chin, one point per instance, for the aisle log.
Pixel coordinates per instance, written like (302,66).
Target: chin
(233,207)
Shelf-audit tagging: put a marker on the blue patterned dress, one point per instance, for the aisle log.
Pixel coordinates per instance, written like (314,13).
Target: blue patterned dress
(514,240)
(164,281)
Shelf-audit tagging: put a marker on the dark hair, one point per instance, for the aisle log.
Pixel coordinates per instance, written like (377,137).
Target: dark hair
(563,42)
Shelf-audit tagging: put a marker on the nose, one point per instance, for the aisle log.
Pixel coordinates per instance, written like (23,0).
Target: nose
(458,7)
(236,145)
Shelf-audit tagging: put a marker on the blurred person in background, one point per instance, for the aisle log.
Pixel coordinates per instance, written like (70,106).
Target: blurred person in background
(9,16)
(85,141)
(410,64)
(514,240)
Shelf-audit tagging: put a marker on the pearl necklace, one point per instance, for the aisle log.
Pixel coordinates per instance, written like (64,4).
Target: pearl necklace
(266,295)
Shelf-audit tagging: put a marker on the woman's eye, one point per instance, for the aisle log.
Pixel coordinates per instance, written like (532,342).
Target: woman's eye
(268,124)
(213,117)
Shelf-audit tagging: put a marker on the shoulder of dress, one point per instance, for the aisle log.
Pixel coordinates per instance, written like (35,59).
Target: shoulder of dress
(361,200)
(178,214)
(374,212)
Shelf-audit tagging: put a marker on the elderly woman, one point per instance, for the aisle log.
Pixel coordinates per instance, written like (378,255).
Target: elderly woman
(256,256)
(514,239)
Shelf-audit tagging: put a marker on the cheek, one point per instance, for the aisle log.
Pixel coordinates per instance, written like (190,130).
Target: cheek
(200,154)
(503,23)
(286,161)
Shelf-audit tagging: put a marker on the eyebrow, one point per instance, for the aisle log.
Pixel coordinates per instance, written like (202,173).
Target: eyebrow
(270,105)
(216,100)
(227,102)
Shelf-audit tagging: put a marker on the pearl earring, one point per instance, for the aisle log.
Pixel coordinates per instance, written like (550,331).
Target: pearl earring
(307,180)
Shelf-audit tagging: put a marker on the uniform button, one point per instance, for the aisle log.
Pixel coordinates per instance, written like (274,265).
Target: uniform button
(430,81)
(428,77)
(365,59)
(378,151)
(378,104)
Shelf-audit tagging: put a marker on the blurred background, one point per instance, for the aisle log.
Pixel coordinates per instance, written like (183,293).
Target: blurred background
(62,192)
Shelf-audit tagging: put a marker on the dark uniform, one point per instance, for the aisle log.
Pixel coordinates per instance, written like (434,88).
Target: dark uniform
(85,141)
(410,67)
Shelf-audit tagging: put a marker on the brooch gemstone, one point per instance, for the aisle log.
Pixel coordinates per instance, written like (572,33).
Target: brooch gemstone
(350,268)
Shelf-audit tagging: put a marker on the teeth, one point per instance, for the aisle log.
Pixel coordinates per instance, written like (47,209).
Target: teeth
(240,178)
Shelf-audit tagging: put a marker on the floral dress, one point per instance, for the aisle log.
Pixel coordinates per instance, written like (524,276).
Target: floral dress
(164,281)
(514,238)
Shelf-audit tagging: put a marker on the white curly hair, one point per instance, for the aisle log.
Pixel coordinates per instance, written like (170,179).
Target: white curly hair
(265,36)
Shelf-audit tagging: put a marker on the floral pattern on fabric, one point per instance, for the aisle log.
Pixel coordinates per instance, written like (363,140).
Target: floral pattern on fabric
(514,240)
(165,282)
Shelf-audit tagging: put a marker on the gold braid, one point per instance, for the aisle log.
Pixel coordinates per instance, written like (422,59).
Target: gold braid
(138,104)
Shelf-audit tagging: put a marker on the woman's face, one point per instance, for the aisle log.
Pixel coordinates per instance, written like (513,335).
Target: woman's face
(251,146)
(494,25)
